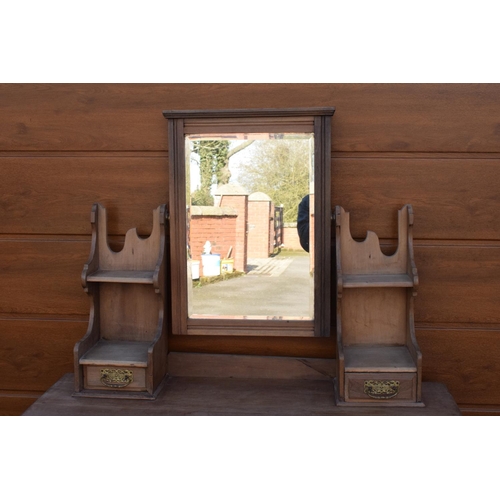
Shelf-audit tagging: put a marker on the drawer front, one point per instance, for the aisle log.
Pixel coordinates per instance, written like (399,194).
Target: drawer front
(112,378)
(386,388)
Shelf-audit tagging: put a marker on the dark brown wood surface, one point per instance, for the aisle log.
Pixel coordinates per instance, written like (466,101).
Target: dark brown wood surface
(13,404)
(369,117)
(34,354)
(35,194)
(64,147)
(467,361)
(458,283)
(54,195)
(452,198)
(42,276)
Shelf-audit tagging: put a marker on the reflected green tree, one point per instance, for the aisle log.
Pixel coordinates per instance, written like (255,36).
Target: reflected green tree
(280,169)
(214,158)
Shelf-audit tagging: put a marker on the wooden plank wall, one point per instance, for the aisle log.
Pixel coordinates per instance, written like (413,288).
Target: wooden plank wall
(63,147)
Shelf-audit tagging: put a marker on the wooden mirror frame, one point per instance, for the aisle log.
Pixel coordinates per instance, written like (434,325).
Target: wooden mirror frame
(306,120)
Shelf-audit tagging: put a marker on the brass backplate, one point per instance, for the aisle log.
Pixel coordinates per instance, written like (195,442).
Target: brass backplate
(381,389)
(114,377)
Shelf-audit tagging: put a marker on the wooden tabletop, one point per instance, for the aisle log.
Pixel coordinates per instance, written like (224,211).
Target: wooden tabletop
(231,396)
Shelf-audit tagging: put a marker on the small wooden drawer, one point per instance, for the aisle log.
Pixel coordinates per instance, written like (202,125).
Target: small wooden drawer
(385,388)
(114,378)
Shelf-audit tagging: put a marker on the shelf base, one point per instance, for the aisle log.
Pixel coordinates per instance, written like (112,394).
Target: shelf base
(117,353)
(377,281)
(133,277)
(361,358)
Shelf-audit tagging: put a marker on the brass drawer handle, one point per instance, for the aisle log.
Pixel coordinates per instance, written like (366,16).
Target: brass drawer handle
(116,378)
(381,389)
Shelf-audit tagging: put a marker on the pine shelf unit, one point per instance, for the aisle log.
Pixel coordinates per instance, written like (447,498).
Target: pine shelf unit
(124,352)
(378,358)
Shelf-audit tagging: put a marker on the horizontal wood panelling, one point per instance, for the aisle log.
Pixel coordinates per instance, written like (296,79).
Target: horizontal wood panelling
(467,361)
(43,277)
(55,195)
(82,117)
(35,354)
(458,283)
(369,117)
(451,198)
(391,155)
(14,405)
(64,147)
(480,410)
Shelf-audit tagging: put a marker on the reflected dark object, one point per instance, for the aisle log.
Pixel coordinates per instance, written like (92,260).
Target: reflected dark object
(303,223)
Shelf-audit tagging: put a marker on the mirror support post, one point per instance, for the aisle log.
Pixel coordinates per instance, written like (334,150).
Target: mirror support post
(322,228)
(177,200)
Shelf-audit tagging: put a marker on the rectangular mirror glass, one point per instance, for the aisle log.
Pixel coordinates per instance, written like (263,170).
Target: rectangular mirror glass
(250,226)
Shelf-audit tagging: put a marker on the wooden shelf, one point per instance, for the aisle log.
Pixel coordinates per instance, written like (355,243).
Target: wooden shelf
(378,359)
(360,358)
(124,352)
(376,281)
(117,353)
(137,277)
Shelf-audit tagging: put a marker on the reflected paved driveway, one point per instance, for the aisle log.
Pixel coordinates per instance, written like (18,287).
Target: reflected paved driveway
(278,286)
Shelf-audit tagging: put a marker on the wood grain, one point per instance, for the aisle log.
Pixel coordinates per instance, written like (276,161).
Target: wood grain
(480,410)
(15,404)
(129,312)
(451,198)
(43,277)
(234,366)
(55,139)
(137,277)
(378,358)
(55,195)
(267,346)
(117,353)
(465,360)
(376,280)
(34,354)
(458,284)
(374,316)
(369,117)
(228,396)
(354,388)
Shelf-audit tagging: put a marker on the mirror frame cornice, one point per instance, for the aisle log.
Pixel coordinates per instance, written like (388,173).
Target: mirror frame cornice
(181,123)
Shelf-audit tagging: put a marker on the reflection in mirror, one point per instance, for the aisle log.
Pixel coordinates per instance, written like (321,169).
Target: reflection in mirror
(250,245)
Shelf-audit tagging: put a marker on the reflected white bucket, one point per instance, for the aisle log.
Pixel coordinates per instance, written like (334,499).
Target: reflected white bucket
(211,264)
(195,269)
